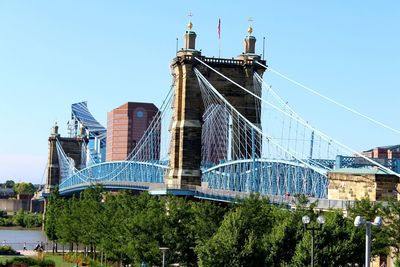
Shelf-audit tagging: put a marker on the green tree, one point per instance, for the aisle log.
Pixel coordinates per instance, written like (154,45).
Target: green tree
(207,218)
(134,228)
(90,210)
(178,234)
(287,231)
(370,210)
(237,241)
(391,226)
(68,223)
(113,217)
(366,208)
(9,184)
(19,217)
(336,244)
(32,219)
(24,188)
(52,212)
(227,246)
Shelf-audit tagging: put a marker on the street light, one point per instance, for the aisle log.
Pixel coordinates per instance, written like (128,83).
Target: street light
(163,249)
(359,220)
(306,220)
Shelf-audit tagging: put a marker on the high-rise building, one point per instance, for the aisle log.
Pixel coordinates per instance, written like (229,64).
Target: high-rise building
(82,124)
(126,126)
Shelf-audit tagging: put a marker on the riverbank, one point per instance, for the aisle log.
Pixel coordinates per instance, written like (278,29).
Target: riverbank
(39,228)
(17,237)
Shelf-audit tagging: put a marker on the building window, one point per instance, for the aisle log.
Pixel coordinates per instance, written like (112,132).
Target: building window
(139,114)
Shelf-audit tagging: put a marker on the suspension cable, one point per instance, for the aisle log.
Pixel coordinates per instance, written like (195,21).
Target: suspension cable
(250,123)
(326,137)
(330,99)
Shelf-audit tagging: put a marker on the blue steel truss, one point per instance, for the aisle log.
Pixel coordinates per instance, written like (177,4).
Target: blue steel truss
(116,174)
(267,177)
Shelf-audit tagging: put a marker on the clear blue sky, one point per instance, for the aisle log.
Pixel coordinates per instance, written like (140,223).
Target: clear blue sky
(55,53)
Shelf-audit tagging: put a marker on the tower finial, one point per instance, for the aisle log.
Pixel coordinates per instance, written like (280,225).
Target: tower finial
(54,129)
(250,29)
(190,24)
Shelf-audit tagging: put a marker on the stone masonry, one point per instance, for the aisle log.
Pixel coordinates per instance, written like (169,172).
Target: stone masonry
(73,149)
(352,184)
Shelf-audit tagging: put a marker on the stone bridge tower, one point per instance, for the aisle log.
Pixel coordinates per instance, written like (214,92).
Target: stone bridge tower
(186,130)
(73,148)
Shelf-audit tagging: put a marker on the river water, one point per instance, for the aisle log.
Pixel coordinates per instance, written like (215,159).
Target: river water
(17,238)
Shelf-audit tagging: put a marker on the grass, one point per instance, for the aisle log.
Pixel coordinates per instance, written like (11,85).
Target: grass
(48,256)
(4,258)
(58,260)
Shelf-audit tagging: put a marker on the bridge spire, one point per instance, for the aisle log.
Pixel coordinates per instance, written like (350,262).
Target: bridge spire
(250,28)
(250,41)
(54,130)
(190,24)
(190,36)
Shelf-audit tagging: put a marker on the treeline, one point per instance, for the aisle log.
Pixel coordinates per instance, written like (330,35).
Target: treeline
(133,228)
(19,188)
(21,218)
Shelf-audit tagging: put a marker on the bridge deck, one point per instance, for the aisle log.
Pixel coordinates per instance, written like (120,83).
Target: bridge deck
(203,192)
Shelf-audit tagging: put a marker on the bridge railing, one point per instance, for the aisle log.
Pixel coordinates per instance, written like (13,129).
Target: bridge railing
(290,201)
(217,61)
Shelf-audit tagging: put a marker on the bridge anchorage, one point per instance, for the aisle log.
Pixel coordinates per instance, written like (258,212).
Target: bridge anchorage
(229,135)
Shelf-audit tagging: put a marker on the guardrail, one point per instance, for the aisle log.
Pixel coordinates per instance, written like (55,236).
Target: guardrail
(204,192)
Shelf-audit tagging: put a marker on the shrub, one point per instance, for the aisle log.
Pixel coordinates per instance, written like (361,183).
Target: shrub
(6,222)
(26,219)
(27,261)
(7,250)
(47,263)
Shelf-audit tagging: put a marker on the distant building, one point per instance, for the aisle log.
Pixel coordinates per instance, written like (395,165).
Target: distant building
(383,152)
(388,156)
(6,193)
(126,126)
(83,123)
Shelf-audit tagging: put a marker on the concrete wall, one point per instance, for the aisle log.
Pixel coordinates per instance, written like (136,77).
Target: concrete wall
(14,205)
(11,205)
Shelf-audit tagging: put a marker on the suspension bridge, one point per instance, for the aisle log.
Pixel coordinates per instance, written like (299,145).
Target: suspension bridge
(222,132)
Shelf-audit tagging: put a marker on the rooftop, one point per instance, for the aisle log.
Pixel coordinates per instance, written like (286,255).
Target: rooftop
(361,171)
(390,147)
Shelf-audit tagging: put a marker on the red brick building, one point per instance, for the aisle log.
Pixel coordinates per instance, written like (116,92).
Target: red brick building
(384,152)
(125,126)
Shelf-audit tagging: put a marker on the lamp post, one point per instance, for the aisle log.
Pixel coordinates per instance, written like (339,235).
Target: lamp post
(306,220)
(163,249)
(359,220)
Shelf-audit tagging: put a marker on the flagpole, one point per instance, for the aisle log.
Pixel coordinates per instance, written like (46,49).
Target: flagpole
(219,48)
(219,38)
